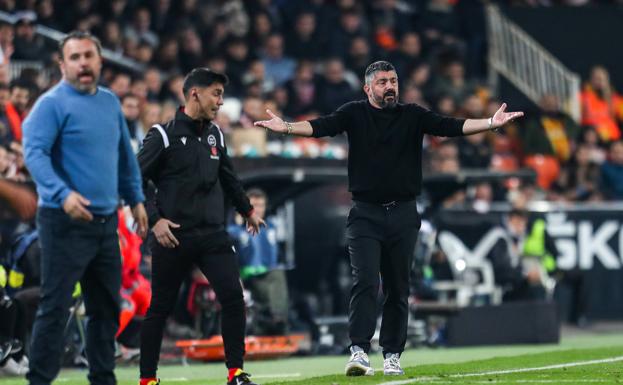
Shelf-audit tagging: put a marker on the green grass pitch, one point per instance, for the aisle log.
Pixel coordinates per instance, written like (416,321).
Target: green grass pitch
(587,359)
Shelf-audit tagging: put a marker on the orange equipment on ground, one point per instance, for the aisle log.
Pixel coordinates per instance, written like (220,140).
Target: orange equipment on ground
(257,347)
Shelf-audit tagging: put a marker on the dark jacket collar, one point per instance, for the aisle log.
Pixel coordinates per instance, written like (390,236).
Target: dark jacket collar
(198,126)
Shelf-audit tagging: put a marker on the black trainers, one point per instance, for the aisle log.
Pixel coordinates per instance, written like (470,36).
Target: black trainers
(241,378)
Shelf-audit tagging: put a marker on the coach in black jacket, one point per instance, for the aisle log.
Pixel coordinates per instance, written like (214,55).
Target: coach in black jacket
(187,161)
(384,175)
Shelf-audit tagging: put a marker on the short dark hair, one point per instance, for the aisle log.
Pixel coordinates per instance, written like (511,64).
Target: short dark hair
(79,35)
(203,77)
(519,212)
(377,66)
(21,83)
(256,192)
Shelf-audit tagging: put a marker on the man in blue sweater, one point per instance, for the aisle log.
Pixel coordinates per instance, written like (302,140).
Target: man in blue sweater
(78,152)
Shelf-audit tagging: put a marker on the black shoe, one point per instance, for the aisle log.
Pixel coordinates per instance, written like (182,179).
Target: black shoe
(241,378)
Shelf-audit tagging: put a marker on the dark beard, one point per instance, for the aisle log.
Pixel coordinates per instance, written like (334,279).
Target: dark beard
(384,104)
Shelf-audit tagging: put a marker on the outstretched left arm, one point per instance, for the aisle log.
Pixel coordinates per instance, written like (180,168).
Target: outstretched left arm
(500,118)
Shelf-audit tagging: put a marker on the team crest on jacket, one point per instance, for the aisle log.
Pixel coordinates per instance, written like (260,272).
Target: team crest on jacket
(211,140)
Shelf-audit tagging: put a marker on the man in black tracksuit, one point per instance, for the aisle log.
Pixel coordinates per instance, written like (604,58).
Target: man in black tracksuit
(187,161)
(384,174)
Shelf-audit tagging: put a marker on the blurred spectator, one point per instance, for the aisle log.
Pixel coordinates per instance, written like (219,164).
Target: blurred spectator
(412,94)
(130,106)
(279,68)
(17,106)
(590,138)
(522,260)
(481,197)
(393,15)
(167,58)
(153,81)
(261,29)
(28,45)
(161,16)
(475,151)
(612,172)
(333,89)
(305,42)
(260,270)
(173,90)
(139,30)
(360,55)
(111,36)
(602,106)
(46,15)
(120,84)
(351,26)
(238,58)
(439,24)
(256,81)
(550,131)
(453,82)
(117,10)
(407,56)
(139,89)
(144,53)
(301,90)
(6,133)
(445,158)
(580,177)
(149,116)
(252,111)
(191,50)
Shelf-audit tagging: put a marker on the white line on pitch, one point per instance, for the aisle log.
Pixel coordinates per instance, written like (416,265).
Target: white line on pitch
(524,381)
(508,371)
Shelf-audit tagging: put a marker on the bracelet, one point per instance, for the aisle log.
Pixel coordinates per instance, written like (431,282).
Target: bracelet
(491,125)
(288,127)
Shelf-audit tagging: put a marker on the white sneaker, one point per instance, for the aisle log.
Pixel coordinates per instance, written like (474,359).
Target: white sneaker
(359,363)
(391,365)
(14,368)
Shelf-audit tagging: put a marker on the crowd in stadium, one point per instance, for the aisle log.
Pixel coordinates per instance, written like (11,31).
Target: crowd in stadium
(302,59)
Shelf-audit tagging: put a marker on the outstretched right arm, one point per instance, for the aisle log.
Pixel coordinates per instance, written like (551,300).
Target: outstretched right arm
(279,125)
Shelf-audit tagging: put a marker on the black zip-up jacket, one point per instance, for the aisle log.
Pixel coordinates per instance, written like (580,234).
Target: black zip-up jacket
(187,162)
(385,146)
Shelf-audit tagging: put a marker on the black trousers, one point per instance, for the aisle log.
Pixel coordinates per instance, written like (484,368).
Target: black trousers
(73,251)
(214,255)
(381,241)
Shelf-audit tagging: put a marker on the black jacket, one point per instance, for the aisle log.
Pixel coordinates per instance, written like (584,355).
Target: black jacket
(187,162)
(385,146)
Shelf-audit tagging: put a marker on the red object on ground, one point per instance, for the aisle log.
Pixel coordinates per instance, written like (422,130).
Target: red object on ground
(257,347)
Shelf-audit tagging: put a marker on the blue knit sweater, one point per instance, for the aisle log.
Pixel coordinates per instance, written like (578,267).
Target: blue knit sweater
(80,142)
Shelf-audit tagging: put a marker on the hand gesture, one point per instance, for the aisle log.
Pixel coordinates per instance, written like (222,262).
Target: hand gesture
(275,124)
(75,205)
(162,231)
(501,117)
(253,224)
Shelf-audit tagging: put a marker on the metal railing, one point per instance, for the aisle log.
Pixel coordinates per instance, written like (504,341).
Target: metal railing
(528,65)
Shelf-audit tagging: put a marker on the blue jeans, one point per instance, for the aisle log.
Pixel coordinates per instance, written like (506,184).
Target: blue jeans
(73,251)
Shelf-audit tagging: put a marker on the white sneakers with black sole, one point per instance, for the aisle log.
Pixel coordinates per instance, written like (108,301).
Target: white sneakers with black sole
(359,363)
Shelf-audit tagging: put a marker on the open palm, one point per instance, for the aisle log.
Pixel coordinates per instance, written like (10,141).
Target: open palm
(501,117)
(275,124)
